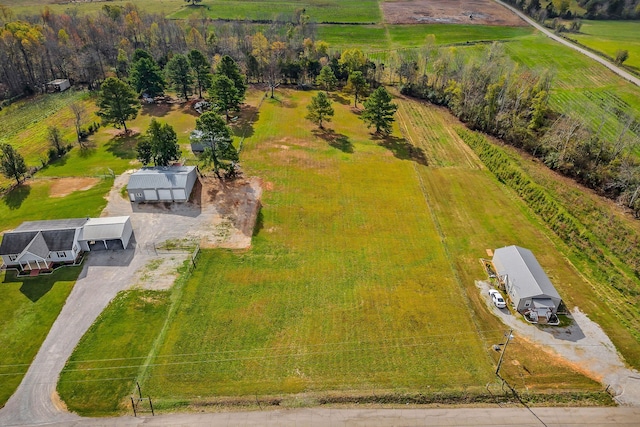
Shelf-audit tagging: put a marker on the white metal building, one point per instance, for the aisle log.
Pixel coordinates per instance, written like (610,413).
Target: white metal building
(525,281)
(106,233)
(162,184)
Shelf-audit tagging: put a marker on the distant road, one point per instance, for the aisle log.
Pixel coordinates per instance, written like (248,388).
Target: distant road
(619,71)
(369,417)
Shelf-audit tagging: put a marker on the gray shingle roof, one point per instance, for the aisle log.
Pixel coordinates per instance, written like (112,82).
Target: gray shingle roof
(15,242)
(160,177)
(56,224)
(38,246)
(522,268)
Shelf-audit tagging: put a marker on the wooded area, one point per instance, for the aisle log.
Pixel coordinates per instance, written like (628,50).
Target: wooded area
(594,9)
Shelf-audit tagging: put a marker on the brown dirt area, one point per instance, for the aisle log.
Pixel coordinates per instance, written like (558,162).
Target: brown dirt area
(479,12)
(61,187)
(237,203)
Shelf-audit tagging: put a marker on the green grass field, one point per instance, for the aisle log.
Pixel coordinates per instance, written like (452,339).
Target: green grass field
(610,36)
(28,308)
(371,38)
(31,202)
(149,308)
(348,286)
(24,124)
(581,86)
(361,11)
(30,7)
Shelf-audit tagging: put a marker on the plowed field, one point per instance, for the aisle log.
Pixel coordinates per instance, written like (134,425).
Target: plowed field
(481,12)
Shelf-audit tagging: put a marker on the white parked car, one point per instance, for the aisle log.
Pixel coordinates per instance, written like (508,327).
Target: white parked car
(497,298)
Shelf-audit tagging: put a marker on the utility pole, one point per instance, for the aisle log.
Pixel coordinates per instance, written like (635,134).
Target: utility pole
(504,348)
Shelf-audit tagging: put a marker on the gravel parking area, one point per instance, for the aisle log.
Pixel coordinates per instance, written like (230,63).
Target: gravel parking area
(583,343)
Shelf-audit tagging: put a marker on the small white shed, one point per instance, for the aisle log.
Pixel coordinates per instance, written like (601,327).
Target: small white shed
(58,85)
(162,184)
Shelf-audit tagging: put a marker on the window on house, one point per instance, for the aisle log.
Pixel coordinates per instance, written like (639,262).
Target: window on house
(13,257)
(61,254)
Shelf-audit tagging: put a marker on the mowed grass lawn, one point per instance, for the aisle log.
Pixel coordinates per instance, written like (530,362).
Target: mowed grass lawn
(610,36)
(348,286)
(28,308)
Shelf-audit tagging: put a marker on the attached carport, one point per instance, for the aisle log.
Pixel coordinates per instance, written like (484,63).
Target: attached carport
(109,233)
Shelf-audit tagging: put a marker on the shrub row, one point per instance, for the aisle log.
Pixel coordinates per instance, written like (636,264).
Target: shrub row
(90,130)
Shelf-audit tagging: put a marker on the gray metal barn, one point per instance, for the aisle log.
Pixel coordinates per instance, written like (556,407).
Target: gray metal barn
(162,184)
(526,283)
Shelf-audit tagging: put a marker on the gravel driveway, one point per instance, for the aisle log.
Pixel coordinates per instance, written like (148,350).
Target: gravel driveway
(106,273)
(583,343)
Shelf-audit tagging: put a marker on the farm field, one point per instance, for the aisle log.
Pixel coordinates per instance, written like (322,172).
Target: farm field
(610,36)
(28,308)
(347,286)
(365,250)
(371,38)
(29,7)
(361,11)
(580,86)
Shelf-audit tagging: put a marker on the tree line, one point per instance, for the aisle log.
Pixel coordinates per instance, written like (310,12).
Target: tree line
(492,94)
(594,9)
(87,49)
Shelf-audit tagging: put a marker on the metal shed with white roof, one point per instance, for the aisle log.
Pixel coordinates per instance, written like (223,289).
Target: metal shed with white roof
(525,281)
(106,233)
(162,184)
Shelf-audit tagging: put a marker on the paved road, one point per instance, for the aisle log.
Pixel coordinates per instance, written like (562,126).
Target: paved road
(312,417)
(619,71)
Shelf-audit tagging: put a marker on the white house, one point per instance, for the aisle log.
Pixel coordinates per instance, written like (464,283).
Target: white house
(162,184)
(38,245)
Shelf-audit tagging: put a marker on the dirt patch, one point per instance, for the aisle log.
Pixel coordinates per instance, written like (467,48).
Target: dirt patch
(479,12)
(120,133)
(237,203)
(61,187)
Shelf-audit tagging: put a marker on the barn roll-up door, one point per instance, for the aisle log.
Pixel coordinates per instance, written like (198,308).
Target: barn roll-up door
(179,194)
(150,195)
(164,194)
